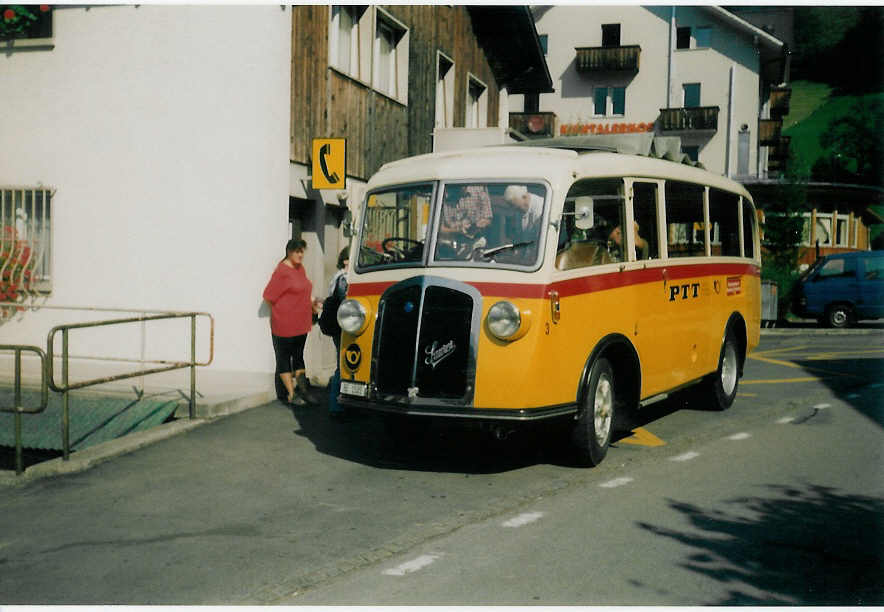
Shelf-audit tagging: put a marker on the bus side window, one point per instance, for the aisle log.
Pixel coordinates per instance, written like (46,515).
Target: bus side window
(644,206)
(748,230)
(724,215)
(599,241)
(684,219)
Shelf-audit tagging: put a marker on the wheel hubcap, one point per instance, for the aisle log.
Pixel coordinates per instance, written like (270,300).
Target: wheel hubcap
(603,409)
(839,317)
(729,369)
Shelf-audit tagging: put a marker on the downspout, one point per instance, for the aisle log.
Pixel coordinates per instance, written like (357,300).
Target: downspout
(670,58)
(730,123)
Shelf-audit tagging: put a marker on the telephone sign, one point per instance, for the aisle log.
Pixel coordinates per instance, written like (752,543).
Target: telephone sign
(329,163)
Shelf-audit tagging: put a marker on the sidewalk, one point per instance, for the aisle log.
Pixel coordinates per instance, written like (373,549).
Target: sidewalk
(219,393)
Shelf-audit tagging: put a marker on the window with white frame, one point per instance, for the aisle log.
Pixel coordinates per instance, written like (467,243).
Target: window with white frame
(444,91)
(349,41)
(25,242)
(477,104)
(609,101)
(830,230)
(390,57)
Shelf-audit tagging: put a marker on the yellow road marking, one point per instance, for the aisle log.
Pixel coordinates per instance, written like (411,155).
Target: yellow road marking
(789,364)
(778,381)
(747,395)
(643,437)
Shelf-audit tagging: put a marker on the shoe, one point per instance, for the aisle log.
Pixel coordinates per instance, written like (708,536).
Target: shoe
(296,400)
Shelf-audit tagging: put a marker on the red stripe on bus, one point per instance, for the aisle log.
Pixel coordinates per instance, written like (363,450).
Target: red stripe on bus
(585,284)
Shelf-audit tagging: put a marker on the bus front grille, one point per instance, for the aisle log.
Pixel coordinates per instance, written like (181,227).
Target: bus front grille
(425,346)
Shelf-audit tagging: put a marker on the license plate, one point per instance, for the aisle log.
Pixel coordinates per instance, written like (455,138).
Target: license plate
(352,388)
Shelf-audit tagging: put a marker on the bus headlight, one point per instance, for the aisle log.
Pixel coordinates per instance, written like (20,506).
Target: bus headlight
(504,320)
(352,316)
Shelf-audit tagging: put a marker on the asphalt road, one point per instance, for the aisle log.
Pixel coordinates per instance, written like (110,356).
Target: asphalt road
(778,500)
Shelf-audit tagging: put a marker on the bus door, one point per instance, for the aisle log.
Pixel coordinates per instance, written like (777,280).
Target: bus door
(654,332)
(686,290)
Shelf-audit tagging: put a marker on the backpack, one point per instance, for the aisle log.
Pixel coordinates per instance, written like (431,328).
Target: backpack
(328,320)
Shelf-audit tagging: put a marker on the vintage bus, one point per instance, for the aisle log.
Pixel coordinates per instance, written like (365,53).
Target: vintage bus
(500,284)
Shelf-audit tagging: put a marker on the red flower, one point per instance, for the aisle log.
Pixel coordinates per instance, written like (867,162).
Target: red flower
(9,14)
(44,8)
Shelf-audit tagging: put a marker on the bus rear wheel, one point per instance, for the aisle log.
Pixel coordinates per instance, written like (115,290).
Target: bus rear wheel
(592,433)
(722,385)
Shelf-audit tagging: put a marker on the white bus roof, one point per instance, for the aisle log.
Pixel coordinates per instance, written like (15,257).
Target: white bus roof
(559,166)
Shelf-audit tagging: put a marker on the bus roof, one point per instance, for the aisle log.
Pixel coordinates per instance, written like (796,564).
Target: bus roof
(559,166)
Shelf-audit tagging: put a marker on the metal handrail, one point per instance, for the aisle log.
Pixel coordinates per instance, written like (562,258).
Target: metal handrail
(65,386)
(18,409)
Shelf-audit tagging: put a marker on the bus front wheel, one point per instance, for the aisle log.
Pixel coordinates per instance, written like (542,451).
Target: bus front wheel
(592,433)
(722,385)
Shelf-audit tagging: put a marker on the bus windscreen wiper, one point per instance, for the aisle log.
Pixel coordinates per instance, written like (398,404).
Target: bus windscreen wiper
(513,245)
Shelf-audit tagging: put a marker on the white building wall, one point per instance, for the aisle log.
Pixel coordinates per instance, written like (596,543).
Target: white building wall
(163,130)
(568,27)
(662,72)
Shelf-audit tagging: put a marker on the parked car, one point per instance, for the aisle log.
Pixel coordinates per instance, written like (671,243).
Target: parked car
(841,289)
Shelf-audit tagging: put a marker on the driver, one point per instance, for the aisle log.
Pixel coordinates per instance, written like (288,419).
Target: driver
(466,212)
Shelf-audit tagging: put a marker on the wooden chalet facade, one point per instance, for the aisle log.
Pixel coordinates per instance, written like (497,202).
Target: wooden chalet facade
(328,102)
(385,78)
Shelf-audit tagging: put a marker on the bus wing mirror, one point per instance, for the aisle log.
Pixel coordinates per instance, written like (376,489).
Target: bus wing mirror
(583,213)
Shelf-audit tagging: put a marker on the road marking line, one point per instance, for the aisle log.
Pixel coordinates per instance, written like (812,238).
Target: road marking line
(785,420)
(523,519)
(777,381)
(643,437)
(747,395)
(685,456)
(739,436)
(617,482)
(789,364)
(822,406)
(412,566)
(853,396)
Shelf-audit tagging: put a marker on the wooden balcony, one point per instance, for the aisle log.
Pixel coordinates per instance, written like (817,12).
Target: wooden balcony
(534,125)
(700,118)
(779,101)
(769,132)
(607,59)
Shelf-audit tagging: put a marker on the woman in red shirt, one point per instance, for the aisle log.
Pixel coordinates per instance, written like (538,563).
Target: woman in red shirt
(291,316)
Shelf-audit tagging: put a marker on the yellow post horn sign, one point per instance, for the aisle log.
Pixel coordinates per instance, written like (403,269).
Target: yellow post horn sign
(329,163)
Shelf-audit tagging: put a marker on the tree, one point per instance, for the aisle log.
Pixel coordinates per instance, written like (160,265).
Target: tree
(856,145)
(783,228)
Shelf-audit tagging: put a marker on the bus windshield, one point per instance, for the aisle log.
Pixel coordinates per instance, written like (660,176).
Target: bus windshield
(484,224)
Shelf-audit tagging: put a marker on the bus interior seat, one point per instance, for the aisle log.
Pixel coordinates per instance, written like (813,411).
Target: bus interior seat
(582,254)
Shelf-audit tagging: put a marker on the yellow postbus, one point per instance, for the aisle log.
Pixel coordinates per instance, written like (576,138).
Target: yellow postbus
(501,284)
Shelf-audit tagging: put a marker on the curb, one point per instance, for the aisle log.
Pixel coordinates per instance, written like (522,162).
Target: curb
(87,458)
(819,331)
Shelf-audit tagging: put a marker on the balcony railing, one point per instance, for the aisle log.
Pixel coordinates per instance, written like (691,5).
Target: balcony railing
(689,119)
(598,59)
(769,132)
(779,101)
(534,125)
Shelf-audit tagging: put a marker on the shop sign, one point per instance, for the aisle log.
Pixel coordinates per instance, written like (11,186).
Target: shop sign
(576,129)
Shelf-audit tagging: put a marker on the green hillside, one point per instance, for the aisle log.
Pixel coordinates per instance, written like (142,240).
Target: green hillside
(812,108)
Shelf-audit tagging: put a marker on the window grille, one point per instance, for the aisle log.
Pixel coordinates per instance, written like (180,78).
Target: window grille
(25,246)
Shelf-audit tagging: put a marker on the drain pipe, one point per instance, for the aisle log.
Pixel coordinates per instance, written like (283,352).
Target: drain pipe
(670,58)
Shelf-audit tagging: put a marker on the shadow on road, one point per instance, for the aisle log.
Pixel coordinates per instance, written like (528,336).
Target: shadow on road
(431,445)
(847,377)
(458,446)
(807,546)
